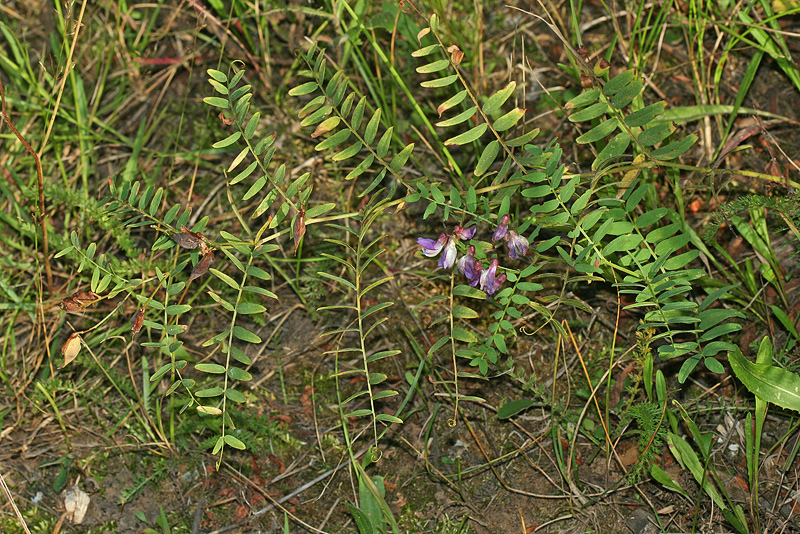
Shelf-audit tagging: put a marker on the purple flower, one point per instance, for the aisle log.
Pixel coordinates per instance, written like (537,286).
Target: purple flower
(448,258)
(431,248)
(502,228)
(476,274)
(470,267)
(467,263)
(498,281)
(517,244)
(464,234)
(490,282)
(488,276)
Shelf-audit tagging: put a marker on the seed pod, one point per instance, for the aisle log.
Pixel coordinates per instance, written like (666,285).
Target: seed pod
(71,348)
(202,266)
(299,229)
(71,305)
(186,240)
(601,67)
(137,321)
(457,54)
(85,298)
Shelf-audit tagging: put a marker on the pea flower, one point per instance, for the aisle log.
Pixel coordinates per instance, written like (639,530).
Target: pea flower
(488,278)
(490,281)
(464,234)
(502,228)
(477,268)
(517,244)
(467,265)
(498,281)
(431,248)
(448,258)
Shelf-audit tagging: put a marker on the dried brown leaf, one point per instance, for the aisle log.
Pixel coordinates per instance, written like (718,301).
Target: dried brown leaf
(422,33)
(71,348)
(774,168)
(227,121)
(78,301)
(326,126)
(76,502)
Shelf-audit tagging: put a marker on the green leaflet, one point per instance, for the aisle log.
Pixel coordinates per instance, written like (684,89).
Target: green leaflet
(495,101)
(673,150)
(304,89)
(599,132)
(508,121)
(645,115)
(655,134)
(469,136)
(440,82)
(589,113)
(452,101)
(487,158)
(435,66)
(584,99)
(458,119)
(765,381)
(614,149)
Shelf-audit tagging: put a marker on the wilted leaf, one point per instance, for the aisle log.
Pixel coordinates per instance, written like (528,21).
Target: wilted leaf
(299,229)
(422,33)
(227,121)
(137,321)
(326,126)
(71,348)
(202,266)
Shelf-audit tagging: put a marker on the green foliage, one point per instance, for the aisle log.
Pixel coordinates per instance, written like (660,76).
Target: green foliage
(605,227)
(353,338)
(652,434)
(341,114)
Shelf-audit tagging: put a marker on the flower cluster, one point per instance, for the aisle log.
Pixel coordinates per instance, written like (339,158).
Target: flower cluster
(486,279)
(517,244)
(431,248)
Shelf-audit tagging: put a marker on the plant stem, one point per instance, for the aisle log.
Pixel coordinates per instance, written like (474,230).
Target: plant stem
(40,181)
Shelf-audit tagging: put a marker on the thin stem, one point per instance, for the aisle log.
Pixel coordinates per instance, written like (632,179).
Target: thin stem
(40,182)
